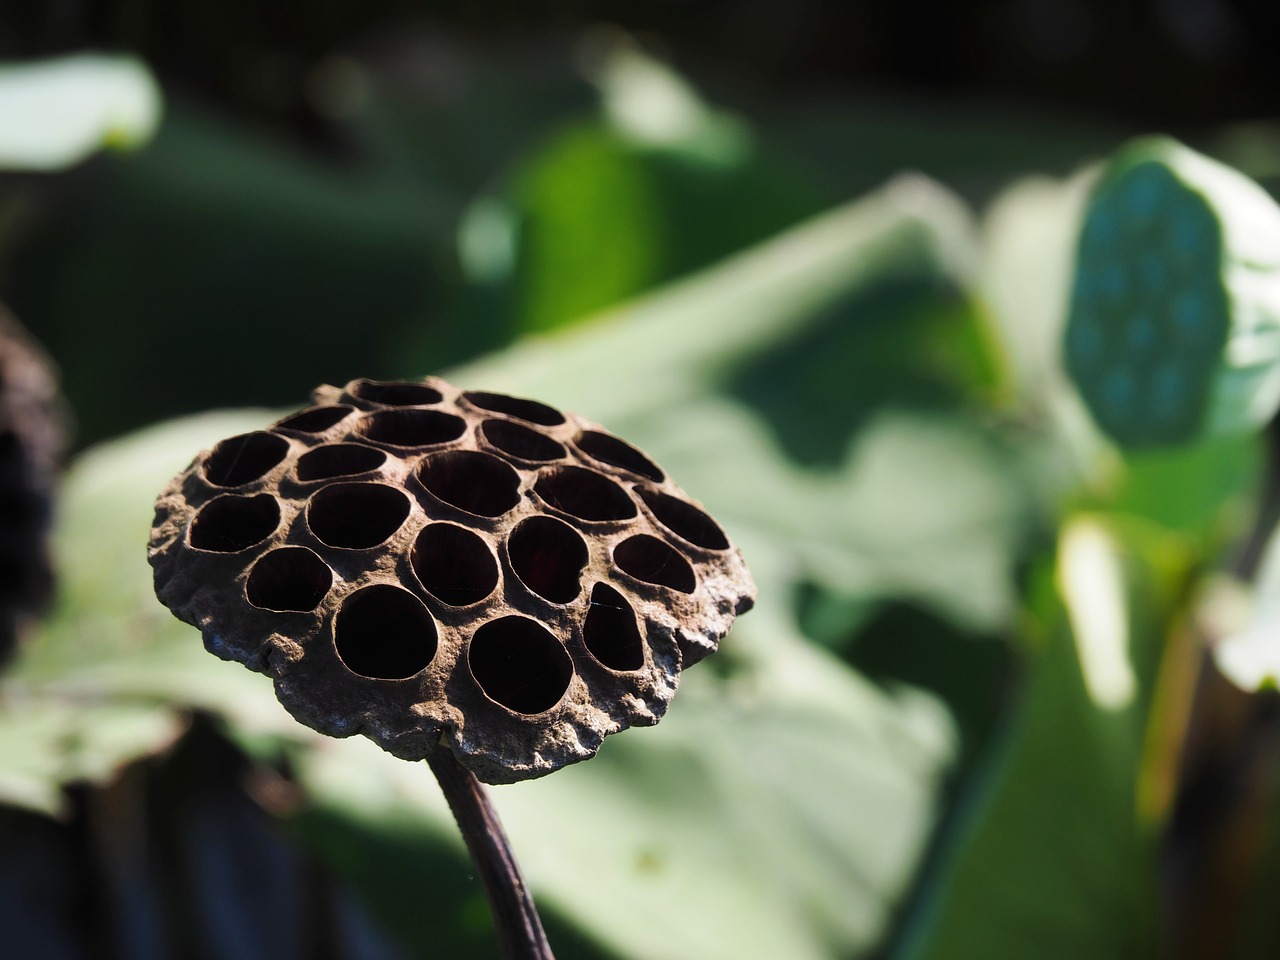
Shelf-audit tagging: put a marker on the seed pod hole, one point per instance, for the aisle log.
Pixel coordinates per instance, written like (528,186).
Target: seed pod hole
(617,453)
(384,633)
(519,441)
(315,419)
(453,564)
(529,410)
(356,515)
(411,428)
(653,561)
(610,633)
(395,393)
(519,665)
(585,495)
(475,482)
(548,556)
(243,459)
(229,524)
(338,460)
(685,520)
(288,579)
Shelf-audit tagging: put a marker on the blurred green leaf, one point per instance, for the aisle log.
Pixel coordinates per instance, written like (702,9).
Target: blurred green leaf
(661,186)
(31,761)
(1055,858)
(1029,233)
(49,741)
(670,371)
(789,818)
(1206,490)
(588,232)
(55,113)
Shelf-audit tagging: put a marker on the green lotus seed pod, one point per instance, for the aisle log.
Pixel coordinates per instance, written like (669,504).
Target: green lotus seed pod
(1173,332)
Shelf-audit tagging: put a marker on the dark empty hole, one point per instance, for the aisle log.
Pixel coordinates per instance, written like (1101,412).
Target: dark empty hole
(356,515)
(475,482)
(649,559)
(529,410)
(453,564)
(548,556)
(228,524)
(288,579)
(315,419)
(338,460)
(395,393)
(585,495)
(609,449)
(411,428)
(520,441)
(610,631)
(245,458)
(519,664)
(384,633)
(685,520)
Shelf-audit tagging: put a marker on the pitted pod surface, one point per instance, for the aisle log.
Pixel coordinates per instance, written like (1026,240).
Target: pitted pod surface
(428,566)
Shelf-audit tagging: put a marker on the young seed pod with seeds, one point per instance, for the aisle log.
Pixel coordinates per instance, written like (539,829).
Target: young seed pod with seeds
(1173,332)
(437,568)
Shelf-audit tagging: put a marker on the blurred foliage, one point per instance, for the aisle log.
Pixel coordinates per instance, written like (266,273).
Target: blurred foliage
(121,110)
(976,711)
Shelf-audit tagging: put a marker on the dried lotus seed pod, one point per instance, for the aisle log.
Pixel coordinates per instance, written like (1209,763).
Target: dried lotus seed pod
(1173,331)
(31,441)
(426,566)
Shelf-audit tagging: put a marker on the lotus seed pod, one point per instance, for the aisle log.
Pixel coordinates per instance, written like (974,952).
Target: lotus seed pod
(31,441)
(434,567)
(1173,332)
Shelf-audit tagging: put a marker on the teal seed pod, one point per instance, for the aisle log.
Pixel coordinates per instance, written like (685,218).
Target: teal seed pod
(1173,330)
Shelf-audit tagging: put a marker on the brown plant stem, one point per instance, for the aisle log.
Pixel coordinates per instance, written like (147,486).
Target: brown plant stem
(515,918)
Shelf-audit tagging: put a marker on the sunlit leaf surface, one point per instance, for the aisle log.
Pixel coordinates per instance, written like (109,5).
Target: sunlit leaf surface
(55,113)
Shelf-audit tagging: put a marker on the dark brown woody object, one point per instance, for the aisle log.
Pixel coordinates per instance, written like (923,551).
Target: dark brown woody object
(31,444)
(471,578)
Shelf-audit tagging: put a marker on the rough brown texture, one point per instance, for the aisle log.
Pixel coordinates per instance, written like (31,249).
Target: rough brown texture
(425,565)
(31,442)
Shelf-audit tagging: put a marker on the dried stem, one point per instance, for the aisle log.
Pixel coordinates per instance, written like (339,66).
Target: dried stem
(515,918)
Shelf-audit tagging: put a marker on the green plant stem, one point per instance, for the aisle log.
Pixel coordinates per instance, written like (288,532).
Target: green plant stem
(515,918)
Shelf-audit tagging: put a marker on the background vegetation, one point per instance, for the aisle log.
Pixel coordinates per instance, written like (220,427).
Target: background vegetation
(817,264)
